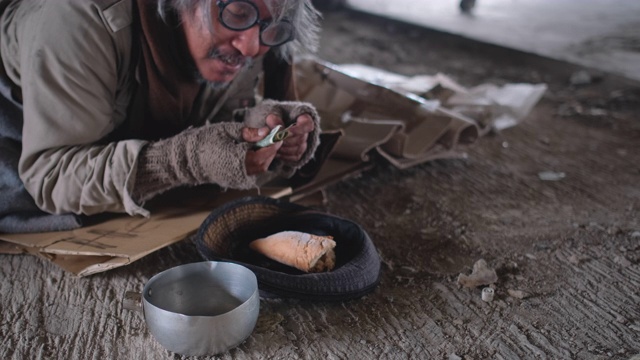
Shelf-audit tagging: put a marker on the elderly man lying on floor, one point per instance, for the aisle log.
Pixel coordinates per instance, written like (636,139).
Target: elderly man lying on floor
(108,103)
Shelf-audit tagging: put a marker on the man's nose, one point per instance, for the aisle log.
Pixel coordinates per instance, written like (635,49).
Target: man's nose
(247,42)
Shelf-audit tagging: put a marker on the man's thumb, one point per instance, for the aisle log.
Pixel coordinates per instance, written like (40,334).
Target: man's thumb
(254,134)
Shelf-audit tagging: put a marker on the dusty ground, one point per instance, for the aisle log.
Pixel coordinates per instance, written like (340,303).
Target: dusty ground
(571,246)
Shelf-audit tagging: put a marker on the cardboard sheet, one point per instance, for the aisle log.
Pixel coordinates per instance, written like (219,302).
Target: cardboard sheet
(115,241)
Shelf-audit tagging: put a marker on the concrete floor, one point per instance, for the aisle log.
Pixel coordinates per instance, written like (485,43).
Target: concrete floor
(601,34)
(573,246)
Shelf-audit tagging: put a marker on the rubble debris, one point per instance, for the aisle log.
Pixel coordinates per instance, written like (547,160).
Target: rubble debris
(487,294)
(621,319)
(581,77)
(551,176)
(574,259)
(480,275)
(518,294)
(622,261)
(597,112)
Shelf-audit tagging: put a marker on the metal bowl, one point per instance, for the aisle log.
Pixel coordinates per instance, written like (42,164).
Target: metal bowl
(203,308)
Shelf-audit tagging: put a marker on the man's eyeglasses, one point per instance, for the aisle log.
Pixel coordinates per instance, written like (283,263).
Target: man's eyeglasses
(241,15)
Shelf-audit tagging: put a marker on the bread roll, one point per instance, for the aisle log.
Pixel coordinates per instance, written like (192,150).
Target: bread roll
(306,252)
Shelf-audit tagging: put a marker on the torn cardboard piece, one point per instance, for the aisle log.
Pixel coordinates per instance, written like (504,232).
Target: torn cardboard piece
(408,120)
(123,239)
(490,106)
(416,128)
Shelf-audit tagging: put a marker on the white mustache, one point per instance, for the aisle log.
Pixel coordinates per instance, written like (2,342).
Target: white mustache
(229,59)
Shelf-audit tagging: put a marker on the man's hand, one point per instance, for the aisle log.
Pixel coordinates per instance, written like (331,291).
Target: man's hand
(295,145)
(291,149)
(258,161)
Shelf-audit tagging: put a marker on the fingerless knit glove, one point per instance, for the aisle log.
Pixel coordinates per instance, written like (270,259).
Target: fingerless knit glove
(212,154)
(215,153)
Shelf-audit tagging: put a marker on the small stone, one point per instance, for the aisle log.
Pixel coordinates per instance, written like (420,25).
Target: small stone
(481,275)
(458,322)
(574,259)
(597,112)
(622,261)
(409,269)
(581,77)
(621,319)
(635,234)
(551,175)
(429,230)
(518,294)
(454,356)
(531,256)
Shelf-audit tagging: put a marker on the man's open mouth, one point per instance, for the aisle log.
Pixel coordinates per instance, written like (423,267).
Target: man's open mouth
(234,61)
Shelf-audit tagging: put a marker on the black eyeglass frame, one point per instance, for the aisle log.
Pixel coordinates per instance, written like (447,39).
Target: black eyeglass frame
(262,23)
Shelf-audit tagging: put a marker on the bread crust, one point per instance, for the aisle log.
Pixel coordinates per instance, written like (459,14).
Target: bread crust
(304,251)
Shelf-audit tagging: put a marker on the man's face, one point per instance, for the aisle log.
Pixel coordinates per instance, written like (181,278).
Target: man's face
(221,54)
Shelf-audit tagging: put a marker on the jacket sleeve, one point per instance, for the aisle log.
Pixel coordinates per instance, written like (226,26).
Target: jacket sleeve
(72,62)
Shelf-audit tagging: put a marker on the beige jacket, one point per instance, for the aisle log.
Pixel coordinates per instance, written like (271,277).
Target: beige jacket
(71,62)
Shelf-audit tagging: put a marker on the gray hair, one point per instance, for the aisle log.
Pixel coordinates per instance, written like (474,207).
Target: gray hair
(301,13)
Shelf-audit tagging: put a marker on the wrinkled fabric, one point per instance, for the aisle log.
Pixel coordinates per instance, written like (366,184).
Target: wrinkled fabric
(18,211)
(66,163)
